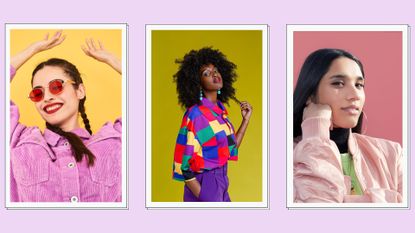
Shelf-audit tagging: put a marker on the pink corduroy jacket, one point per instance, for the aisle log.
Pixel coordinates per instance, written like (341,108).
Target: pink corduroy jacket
(43,168)
(318,175)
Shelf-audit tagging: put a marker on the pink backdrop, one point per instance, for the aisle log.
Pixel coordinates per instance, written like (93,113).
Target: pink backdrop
(381,55)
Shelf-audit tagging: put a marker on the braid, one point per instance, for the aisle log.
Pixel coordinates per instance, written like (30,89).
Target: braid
(78,147)
(84,116)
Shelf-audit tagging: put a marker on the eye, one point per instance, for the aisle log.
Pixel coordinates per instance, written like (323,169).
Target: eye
(337,83)
(360,85)
(37,92)
(206,73)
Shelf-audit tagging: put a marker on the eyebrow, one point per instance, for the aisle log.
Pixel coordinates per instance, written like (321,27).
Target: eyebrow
(342,76)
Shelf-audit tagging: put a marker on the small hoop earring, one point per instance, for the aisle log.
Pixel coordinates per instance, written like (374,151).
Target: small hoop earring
(201,95)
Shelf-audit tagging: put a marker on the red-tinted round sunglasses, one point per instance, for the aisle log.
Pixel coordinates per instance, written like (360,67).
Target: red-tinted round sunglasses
(55,87)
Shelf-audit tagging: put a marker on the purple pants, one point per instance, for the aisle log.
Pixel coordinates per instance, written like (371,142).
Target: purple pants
(214,186)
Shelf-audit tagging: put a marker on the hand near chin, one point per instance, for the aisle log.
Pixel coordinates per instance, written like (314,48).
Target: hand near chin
(48,43)
(317,110)
(99,53)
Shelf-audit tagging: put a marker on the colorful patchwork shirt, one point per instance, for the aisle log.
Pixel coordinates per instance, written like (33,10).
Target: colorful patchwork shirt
(206,140)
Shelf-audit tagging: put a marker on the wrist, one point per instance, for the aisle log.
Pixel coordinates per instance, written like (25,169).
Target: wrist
(114,63)
(32,50)
(316,127)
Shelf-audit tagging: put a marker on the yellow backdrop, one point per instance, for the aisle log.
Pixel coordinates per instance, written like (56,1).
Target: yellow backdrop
(102,83)
(244,48)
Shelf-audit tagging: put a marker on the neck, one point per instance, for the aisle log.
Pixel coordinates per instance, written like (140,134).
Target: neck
(70,124)
(212,96)
(340,136)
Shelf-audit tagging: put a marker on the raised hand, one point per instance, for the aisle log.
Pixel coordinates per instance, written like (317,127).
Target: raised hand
(47,43)
(99,53)
(246,110)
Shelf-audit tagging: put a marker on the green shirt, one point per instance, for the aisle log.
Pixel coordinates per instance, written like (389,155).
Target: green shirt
(348,170)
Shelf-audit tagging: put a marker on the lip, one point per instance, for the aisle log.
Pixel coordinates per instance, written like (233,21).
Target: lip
(52,108)
(217,79)
(352,110)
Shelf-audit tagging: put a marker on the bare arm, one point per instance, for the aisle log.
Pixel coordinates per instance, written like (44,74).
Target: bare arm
(47,43)
(99,53)
(246,111)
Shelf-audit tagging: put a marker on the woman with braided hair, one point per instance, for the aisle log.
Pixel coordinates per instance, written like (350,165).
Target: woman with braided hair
(65,163)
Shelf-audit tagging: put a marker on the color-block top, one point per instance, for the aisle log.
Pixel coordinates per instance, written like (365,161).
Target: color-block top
(43,168)
(206,140)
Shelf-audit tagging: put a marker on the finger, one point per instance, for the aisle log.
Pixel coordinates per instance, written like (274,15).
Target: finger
(56,36)
(60,40)
(58,33)
(93,44)
(246,104)
(101,46)
(46,36)
(85,50)
(88,44)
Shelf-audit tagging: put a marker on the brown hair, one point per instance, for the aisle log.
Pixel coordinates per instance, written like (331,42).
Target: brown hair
(78,147)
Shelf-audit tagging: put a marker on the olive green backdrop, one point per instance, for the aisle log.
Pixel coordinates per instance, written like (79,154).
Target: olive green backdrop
(242,47)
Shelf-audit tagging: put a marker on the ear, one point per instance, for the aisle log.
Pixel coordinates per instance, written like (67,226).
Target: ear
(80,92)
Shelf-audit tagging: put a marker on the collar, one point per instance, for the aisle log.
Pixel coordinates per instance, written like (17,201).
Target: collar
(340,136)
(357,158)
(52,138)
(218,108)
(352,144)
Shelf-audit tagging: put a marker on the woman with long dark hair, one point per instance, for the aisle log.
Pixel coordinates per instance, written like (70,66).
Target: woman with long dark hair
(65,163)
(333,160)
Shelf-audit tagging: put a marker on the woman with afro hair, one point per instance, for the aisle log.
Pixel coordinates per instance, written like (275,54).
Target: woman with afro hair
(207,138)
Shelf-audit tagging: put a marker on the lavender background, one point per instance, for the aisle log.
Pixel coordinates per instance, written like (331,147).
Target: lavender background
(137,14)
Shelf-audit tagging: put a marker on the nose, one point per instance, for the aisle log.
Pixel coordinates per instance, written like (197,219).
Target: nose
(354,93)
(215,73)
(47,96)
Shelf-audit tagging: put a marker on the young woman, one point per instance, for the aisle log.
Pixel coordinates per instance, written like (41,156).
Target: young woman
(65,163)
(207,139)
(333,161)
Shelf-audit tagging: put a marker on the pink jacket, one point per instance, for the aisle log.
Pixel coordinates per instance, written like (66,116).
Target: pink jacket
(318,175)
(43,168)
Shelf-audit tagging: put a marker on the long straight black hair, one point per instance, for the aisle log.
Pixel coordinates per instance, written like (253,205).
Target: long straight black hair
(314,68)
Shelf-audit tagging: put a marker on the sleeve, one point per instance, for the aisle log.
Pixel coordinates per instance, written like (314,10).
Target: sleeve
(399,168)
(118,124)
(15,131)
(186,145)
(14,194)
(16,128)
(318,175)
(12,72)
(393,171)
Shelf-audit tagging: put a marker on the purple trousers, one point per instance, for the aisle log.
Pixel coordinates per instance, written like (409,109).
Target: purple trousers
(214,186)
